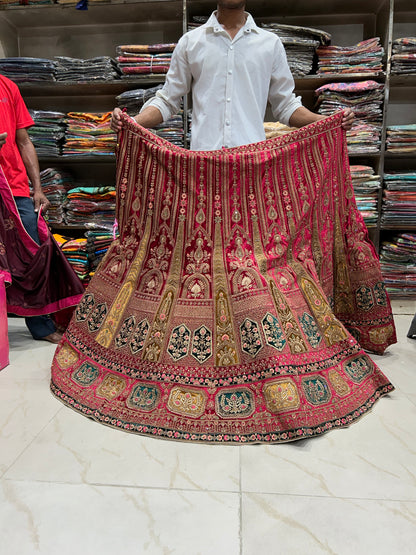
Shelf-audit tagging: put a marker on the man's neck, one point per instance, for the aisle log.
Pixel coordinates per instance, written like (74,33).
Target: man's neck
(231,19)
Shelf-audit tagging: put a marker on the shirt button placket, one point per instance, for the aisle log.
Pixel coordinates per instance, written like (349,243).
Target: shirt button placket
(228,95)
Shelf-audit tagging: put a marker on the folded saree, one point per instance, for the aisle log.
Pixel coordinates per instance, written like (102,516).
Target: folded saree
(237,302)
(39,279)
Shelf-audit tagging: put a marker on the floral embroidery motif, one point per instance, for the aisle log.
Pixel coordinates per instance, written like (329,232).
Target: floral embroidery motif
(310,329)
(187,402)
(144,397)
(359,368)
(202,344)
(364,298)
(234,403)
(380,294)
(123,335)
(288,321)
(338,383)
(139,336)
(379,335)
(84,308)
(273,332)
(281,395)
(111,387)
(179,342)
(66,356)
(251,342)
(97,317)
(86,374)
(316,390)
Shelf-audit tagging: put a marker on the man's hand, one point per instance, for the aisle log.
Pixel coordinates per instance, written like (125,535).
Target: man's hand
(116,120)
(347,119)
(3,137)
(39,200)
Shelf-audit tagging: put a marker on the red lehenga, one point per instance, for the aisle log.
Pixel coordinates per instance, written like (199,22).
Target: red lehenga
(237,303)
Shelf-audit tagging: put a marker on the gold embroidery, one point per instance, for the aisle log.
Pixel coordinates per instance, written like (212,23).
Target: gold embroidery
(115,314)
(288,322)
(378,336)
(157,334)
(226,352)
(343,299)
(331,328)
(67,356)
(111,387)
(281,395)
(338,383)
(187,402)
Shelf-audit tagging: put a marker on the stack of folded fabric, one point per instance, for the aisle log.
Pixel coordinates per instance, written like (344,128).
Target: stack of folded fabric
(144,59)
(28,70)
(197,21)
(403,59)
(401,138)
(366,186)
(398,265)
(133,100)
(300,45)
(55,185)
(102,68)
(365,98)
(399,202)
(364,57)
(98,242)
(48,132)
(75,251)
(92,207)
(172,129)
(88,134)
(276,129)
(26,2)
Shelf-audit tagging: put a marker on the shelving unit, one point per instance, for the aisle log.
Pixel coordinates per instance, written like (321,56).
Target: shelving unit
(401,106)
(50,30)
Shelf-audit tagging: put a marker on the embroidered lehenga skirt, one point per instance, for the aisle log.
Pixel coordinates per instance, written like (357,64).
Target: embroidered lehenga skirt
(239,300)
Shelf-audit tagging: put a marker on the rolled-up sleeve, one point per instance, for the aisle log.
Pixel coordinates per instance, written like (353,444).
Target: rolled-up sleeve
(177,84)
(282,99)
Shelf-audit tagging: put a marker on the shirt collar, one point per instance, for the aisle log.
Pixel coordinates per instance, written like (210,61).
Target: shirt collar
(213,24)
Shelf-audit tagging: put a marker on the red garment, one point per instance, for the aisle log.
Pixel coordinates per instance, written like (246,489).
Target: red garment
(236,303)
(13,116)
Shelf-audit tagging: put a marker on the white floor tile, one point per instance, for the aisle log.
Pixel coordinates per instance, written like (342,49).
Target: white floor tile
(26,407)
(403,306)
(374,458)
(70,485)
(53,519)
(286,525)
(82,451)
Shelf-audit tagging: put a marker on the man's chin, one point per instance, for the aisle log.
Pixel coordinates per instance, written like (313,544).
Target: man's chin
(231,5)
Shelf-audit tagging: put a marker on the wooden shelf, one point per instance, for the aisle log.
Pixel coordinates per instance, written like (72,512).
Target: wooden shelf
(76,88)
(80,159)
(108,13)
(49,30)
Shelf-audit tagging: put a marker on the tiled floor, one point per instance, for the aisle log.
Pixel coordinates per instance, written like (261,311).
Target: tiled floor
(69,485)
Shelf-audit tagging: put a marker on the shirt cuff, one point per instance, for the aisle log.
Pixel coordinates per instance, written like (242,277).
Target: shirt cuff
(159,103)
(293,105)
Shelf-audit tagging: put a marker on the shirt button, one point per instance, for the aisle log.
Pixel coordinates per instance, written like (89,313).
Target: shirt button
(227,122)
(230,71)
(228,99)
(231,47)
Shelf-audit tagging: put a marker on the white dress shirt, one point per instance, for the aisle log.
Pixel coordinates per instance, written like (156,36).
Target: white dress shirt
(231,82)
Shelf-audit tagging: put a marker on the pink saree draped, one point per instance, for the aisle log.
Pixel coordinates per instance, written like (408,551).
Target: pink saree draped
(238,300)
(39,279)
